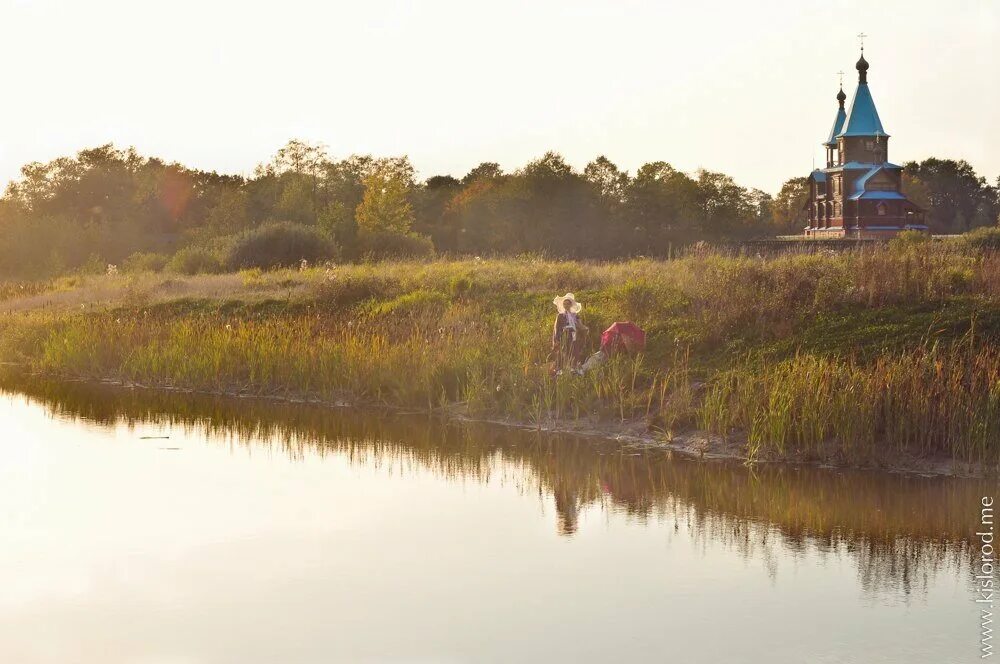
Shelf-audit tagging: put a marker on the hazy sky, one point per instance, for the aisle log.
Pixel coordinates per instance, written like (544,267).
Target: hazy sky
(746,88)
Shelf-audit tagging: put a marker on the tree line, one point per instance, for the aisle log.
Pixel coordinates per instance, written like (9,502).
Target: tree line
(105,205)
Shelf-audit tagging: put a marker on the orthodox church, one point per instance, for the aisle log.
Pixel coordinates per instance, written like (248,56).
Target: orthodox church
(858,194)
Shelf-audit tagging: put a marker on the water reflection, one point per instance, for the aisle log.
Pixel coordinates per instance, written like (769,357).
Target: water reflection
(899,531)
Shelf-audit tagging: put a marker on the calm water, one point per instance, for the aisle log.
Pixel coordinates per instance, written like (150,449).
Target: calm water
(140,527)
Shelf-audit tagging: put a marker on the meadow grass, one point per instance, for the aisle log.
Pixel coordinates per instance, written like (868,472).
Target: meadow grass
(863,354)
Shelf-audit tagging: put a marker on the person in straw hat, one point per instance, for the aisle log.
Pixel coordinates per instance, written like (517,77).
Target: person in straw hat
(568,332)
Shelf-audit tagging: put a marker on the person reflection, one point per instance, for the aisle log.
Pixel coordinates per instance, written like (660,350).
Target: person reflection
(567,508)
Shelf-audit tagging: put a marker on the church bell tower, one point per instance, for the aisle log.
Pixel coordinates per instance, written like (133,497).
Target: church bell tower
(859,193)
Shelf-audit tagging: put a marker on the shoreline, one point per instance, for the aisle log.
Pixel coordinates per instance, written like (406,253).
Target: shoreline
(695,445)
(745,357)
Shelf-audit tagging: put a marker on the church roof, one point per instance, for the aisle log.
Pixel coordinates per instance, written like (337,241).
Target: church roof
(859,186)
(856,165)
(862,118)
(861,166)
(878,195)
(838,124)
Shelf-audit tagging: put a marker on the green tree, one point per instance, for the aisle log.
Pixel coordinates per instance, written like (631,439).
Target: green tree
(385,205)
(727,208)
(431,199)
(230,214)
(955,193)
(788,209)
(610,182)
(662,208)
(337,222)
(298,199)
(488,170)
(297,168)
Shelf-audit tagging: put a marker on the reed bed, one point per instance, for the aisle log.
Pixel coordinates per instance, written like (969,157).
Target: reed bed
(930,401)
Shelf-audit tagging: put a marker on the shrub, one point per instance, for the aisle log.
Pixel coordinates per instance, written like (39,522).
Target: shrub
(93,265)
(379,244)
(460,285)
(909,239)
(194,260)
(338,292)
(983,238)
(415,305)
(279,245)
(142,261)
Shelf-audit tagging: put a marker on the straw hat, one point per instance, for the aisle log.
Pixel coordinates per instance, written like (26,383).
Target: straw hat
(559,299)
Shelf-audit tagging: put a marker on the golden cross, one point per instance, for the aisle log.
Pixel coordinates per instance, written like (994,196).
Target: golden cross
(862,36)
(841,74)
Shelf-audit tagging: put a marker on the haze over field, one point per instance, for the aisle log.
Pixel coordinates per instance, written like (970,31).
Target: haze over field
(221,85)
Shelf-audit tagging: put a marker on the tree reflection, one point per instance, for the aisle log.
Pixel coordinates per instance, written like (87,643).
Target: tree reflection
(899,531)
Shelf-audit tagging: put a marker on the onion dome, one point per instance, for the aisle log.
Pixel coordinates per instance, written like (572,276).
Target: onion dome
(862,68)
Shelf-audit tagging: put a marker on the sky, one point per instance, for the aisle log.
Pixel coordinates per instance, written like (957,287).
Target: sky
(746,88)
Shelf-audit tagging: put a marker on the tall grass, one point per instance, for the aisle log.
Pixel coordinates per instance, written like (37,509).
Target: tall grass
(931,401)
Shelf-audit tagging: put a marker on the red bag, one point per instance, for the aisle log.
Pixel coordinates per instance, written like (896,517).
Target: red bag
(623,335)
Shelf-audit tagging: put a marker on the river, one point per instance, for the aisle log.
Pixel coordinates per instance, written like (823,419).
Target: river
(162,528)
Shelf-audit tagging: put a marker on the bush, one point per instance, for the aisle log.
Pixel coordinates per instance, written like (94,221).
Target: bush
(907,239)
(93,265)
(983,238)
(461,285)
(279,245)
(415,305)
(340,293)
(378,244)
(194,260)
(142,261)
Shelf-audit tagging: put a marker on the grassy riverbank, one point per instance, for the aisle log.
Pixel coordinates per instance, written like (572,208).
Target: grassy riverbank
(859,357)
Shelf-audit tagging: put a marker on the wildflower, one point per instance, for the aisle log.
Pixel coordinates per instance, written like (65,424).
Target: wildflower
(112,270)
